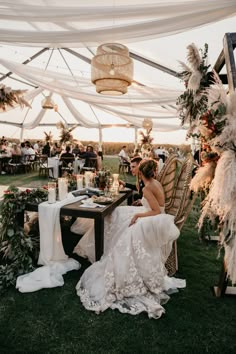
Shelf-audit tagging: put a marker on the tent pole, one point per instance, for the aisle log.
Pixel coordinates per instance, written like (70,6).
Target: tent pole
(100,136)
(136,137)
(21,134)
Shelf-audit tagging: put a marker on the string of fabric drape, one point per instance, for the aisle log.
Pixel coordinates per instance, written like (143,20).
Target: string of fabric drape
(80,88)
(71,24)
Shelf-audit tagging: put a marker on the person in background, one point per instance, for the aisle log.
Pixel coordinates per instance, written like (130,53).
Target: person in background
(138,187)
(89,153)
(46,149)
(67,159)
(124,158)
(76,150)
(23,151)
(100,152)
(30,153)
(36,147)
(16,151)
(68,155)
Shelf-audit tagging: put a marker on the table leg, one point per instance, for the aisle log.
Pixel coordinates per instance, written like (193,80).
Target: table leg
(99,237)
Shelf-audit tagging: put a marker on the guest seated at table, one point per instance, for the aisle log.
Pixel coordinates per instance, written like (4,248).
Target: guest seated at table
(76,150)
(131,276)
(89,153)
(55,150)
(46,149)
(67,159)
(29,153)
(124,158)
(16,151)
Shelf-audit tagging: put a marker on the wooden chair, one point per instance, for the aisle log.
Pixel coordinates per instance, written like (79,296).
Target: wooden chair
(67,165)
(91,164)
(44,169)
(176,178)
(123,167)
(14,165)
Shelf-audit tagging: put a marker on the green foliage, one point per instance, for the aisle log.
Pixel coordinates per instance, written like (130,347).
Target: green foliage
(18,250)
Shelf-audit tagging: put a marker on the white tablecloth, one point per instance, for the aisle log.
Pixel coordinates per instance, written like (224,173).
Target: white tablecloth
(78,164)
(54,162)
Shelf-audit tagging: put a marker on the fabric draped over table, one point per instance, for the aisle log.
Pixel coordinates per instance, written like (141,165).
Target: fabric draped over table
(52,256)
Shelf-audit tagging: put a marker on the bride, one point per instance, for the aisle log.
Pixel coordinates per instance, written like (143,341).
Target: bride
(131,276)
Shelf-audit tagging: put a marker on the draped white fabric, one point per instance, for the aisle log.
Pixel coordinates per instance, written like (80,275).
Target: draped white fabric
(73,24)
(132,107)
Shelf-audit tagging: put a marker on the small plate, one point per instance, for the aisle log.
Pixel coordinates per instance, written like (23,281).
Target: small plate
(103,200)
(124,190)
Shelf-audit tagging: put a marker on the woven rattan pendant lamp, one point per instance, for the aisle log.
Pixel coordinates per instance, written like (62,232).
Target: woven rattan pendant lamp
(47,103)
(112,69)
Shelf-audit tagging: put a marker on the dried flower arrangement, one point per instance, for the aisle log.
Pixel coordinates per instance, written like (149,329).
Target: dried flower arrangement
(10,98)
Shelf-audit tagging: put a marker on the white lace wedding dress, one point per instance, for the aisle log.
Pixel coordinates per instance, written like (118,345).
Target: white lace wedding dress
(131,275)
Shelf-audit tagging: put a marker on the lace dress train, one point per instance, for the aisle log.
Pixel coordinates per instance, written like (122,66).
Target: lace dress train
(131,275)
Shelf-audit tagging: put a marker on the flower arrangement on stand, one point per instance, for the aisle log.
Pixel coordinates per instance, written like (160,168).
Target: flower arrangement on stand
(48,137)
(65,135)
(211,113)
(193,102)
(18,246)
(9,98)
(146,141)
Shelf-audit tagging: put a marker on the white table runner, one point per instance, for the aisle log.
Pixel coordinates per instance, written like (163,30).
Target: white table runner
(51,248)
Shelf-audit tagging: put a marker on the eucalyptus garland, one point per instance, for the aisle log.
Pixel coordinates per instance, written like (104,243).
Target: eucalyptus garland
(18,249)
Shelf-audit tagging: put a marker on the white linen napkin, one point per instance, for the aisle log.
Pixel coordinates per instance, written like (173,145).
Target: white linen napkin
(51,248)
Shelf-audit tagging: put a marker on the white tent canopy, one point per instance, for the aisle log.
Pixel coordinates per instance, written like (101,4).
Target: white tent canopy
(57,25)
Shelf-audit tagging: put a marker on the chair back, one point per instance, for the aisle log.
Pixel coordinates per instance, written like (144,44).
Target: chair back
(43,161)
(180,205)
(167,177)
(92,162)
(67,162)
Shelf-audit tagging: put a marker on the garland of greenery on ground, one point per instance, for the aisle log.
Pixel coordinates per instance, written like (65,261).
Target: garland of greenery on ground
(18,249)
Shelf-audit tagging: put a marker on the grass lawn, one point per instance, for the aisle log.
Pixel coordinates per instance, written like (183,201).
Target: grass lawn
(54,321)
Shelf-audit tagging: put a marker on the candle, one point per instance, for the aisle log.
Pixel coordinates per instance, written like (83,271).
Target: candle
(51,195)
(51,192)
(80,181)
(62,188)
(87,177)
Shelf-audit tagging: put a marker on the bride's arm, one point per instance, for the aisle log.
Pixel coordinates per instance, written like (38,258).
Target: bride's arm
(153,203)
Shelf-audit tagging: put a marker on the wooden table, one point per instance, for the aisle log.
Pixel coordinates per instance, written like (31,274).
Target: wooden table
(98,214)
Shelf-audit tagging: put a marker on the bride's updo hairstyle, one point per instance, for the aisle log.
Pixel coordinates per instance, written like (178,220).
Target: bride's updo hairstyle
(148,168)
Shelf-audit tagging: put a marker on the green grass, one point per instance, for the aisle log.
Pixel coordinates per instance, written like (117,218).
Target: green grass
(54,321)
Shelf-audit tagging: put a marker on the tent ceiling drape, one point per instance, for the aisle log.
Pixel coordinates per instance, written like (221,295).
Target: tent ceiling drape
(59,24)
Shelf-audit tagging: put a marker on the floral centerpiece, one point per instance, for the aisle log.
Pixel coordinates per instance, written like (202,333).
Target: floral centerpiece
(18,247)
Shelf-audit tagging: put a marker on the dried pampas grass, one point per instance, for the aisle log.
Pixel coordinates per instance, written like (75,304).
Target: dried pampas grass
(203,177)
(222,195)
(193,56)
(195,80)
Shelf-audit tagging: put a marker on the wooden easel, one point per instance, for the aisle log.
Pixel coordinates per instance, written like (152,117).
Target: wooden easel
(226,58)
